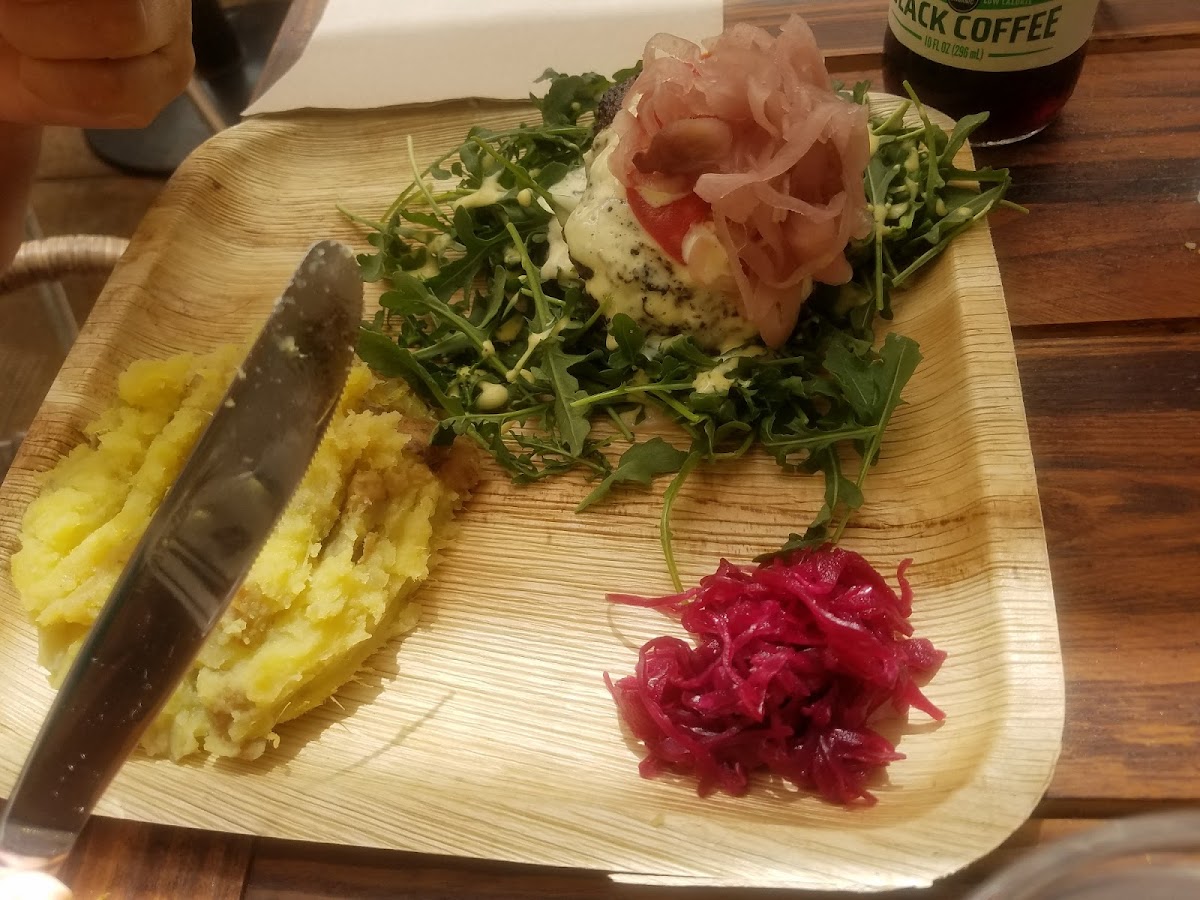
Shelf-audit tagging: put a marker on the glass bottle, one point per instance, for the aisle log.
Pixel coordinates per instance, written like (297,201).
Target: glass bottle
(1017,59)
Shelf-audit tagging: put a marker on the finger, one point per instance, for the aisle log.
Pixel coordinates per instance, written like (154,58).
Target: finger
(112,93)
(92,29)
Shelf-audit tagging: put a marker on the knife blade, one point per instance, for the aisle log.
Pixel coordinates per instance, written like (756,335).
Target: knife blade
(194,554)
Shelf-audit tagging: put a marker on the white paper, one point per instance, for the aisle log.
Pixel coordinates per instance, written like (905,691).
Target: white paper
(373,53)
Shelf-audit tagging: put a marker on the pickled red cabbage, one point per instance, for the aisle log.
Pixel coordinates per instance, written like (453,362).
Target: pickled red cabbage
(793,663)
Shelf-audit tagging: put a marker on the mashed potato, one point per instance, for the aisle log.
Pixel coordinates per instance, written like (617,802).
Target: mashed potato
(333,583)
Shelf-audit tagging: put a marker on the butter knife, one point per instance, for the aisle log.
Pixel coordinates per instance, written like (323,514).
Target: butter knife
(194,554)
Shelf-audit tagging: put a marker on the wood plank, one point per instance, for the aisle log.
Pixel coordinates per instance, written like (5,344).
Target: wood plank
(116,858)
(855,28)
(120,859)
(293,871)
(1111,189)
(129,859)
(1135,24)
(1113,424)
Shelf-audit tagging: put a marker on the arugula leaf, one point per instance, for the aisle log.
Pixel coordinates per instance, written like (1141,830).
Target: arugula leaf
(467,307)
(371,265)
(569,96)
(962,130)
(873,384)
(629,340)
(865,379)
(385,357)
(640,464)
(840,493)
(880,176)
(458,275)
(900,357)
(570,420)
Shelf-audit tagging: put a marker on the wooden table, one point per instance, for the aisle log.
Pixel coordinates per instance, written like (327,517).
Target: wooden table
(1104,298)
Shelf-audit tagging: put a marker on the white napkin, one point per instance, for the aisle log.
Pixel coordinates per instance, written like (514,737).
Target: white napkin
(372,53)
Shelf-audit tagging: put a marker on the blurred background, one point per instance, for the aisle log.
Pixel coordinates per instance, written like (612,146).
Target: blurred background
(103,183)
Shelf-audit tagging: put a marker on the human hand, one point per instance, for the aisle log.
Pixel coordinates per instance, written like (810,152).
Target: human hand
(92,63)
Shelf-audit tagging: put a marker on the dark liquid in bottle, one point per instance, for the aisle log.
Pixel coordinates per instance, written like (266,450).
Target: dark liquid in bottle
(1021,103)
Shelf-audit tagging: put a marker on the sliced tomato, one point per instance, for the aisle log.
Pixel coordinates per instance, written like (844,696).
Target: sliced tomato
(668,224)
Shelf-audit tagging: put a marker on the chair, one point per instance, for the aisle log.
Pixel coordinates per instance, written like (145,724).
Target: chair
(52,258)
(45,261)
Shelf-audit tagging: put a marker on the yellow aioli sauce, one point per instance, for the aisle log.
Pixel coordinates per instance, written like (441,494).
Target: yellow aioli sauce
(489,191)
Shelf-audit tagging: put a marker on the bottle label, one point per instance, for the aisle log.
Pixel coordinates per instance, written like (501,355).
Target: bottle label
(992,35)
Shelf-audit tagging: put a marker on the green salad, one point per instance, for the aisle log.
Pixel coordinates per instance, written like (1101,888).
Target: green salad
(526,366)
